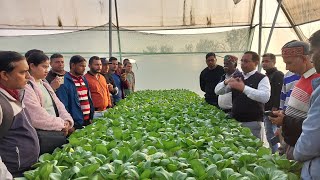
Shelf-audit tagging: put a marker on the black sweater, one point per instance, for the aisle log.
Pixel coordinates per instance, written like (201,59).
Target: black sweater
(276,82)
(209,80)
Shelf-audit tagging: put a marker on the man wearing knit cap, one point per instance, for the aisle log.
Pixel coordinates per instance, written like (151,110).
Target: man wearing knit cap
(308,145)
(276,81)
(296,56)
(230,68)
(250,91)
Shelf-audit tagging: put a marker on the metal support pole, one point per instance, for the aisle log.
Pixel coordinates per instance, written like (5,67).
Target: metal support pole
(251,33)
(118,31)
(272,27)
(260,32)
(296,29)
(110,28)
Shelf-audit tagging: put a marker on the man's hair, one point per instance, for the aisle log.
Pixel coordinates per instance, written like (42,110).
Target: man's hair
(210,54)
(119,63)
(7,60)
(127,64)
(28,53)
(55,55)
(270,55)
(76,59)
(125,61)
(255,56)
(37,58)
(93,58)
(104,61)
(112,59)
(315,39)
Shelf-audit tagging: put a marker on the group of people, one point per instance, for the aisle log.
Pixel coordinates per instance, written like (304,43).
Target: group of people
(287,105)
(37,103)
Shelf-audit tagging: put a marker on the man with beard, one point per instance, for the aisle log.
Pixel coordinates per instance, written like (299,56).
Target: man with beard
(210,77)
(119,80)
(276,81)
(98,87)
(75,95)
(55,75)
(307,147)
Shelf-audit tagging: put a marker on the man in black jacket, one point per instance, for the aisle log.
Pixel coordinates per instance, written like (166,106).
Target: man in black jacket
(276,81)
(210,77)
(19,144)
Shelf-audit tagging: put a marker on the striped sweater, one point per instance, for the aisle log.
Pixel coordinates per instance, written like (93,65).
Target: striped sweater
(299,101)
(290,79)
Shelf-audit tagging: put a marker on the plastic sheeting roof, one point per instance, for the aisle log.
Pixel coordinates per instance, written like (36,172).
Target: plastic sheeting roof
(161,14)
(55,16)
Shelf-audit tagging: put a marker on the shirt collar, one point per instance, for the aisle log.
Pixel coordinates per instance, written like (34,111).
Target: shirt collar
(309,73)
(75,77)
(249,74)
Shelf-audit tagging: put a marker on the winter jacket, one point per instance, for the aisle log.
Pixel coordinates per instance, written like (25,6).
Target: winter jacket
(307,149)
(19,147)
(40,118)
(99,91)
(68,95)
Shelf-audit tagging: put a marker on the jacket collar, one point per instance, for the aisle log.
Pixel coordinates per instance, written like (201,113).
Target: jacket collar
(272,70)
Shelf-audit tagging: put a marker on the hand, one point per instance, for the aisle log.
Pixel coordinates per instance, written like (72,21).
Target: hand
(65,131)
(110,87)
(123,76)
(67,126)
(279,119)
(226,81)
(55,84)
(71,130)
(278,132)
(236,83)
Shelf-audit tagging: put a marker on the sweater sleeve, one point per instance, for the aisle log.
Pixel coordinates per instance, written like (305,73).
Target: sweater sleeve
(262,93)
(39,117)
(202,82)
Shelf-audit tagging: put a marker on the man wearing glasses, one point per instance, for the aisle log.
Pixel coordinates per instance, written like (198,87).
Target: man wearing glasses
(250,91)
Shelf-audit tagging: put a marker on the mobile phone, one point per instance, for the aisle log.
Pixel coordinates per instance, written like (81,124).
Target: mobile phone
(269,113)
(275,140)
(61,77)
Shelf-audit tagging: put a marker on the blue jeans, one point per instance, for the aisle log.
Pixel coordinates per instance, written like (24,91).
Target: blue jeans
(98,114)
(270,130)
(256,128)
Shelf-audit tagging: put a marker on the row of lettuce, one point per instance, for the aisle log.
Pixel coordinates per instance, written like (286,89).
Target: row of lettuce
(169,134)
